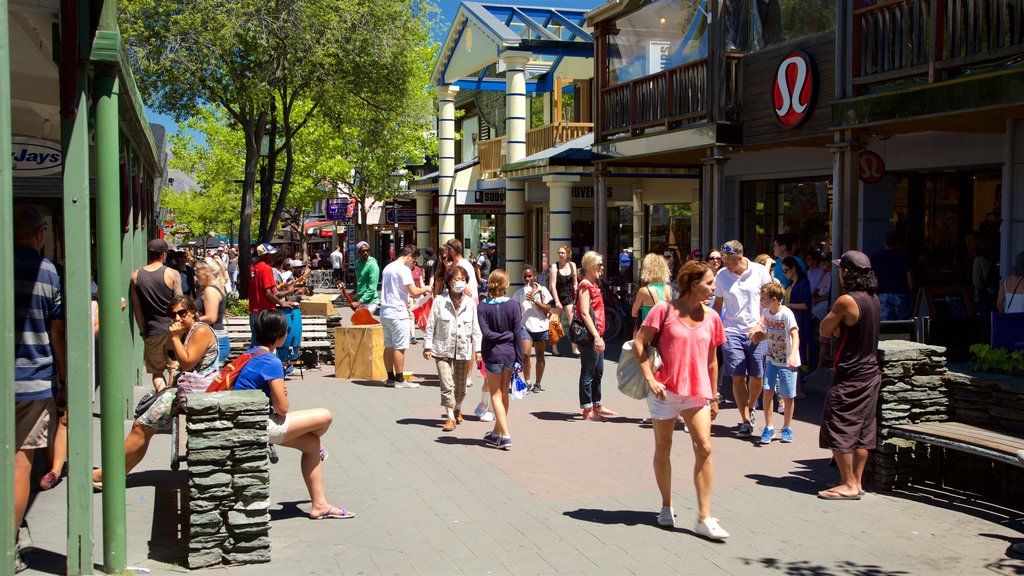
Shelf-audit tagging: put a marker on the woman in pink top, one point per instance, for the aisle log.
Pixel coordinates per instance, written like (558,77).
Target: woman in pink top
(590,309)
(688,333)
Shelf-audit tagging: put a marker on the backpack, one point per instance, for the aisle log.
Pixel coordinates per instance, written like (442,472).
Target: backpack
(228,374)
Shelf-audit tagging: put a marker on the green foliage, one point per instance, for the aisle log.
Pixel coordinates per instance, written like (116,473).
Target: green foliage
(236,306)
(985,358)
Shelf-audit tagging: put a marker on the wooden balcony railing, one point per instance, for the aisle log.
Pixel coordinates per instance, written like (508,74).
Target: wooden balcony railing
(492,155)
(671,98)
(932,39)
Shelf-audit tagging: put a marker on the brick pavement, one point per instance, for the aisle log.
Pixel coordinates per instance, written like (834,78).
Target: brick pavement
(571,497)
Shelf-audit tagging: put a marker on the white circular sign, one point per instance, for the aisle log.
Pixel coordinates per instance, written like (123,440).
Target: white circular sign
(34,157)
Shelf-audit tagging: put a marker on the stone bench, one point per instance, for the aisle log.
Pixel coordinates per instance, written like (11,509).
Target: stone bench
(228,478)
(956,428)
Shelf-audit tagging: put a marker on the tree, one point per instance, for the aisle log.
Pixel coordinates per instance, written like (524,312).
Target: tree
(258,59)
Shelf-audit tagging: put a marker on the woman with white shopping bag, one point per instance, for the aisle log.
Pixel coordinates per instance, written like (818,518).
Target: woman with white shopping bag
(501,322)
(688,332)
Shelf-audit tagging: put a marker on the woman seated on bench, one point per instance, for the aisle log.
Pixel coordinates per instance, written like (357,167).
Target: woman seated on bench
(300,429)
(198,358)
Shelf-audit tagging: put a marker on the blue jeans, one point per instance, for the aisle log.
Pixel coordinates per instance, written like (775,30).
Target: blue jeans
(591,372)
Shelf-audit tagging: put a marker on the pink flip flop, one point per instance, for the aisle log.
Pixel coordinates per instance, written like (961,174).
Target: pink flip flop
(341,514)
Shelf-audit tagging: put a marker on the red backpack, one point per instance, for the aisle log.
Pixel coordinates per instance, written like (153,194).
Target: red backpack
(228,374)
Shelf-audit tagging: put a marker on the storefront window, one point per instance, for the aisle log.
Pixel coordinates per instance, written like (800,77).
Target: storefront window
(669,227)
(662,35)
(773,207)
(751,25)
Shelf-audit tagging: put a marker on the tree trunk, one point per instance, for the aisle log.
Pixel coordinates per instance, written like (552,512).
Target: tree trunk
(253,138)
(269,175)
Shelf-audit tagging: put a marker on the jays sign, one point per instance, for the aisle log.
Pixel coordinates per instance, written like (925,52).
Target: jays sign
(34,157)
(794,89)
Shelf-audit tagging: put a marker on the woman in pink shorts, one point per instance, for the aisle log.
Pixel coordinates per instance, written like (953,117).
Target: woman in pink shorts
(687,333)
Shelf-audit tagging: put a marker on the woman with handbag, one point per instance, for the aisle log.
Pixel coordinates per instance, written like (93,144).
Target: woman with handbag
(586,332)
(452,339)
(198,360)
(501,322)
(536,303)
(683,385)
(563,282)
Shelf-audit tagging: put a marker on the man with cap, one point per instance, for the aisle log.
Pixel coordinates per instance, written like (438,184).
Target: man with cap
(367,276)
(848,422)
(262,287)
(153,286)
(483,266)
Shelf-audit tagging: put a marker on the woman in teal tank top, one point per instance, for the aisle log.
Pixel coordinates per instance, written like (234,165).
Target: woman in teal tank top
(654,275)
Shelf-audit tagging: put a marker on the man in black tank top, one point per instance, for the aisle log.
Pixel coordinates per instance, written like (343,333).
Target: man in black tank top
(153,286)
(849,421)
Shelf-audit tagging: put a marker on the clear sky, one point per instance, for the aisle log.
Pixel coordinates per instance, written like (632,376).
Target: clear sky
(448,9)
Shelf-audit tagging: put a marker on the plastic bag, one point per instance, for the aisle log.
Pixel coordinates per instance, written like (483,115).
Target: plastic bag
(517,388)
(421,313)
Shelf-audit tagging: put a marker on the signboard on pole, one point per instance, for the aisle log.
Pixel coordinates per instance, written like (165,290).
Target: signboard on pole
(405,215)
(337,209)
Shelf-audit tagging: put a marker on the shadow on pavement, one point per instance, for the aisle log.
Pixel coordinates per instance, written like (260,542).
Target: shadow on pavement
(624,517)
(457,441)
(809,478)
(429,423)
(168,541)
(805,568)
(41,560)
(988,508)
(371,383)
(288,510)
(556,416)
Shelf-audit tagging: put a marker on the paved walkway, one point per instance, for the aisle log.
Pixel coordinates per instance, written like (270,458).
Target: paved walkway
(571,497)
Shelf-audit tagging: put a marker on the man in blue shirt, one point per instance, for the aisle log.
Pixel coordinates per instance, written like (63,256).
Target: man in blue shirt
(39,365)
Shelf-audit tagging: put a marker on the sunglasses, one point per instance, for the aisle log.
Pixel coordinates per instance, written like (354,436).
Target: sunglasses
(730,250)
(180,313)
(786,270)
(719,258)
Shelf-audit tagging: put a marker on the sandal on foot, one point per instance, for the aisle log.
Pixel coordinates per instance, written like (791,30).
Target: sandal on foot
(334,513)
(833,495)
(324,454)
(49,481)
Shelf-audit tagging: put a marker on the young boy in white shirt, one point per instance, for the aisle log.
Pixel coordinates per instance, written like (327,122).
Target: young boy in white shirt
(778,327)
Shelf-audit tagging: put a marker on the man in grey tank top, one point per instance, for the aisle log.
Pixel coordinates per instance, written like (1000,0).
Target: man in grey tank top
(153,286)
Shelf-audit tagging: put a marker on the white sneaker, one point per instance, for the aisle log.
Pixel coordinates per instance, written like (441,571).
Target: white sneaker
(709,528)
(487,417)
(667,517)
(406,384)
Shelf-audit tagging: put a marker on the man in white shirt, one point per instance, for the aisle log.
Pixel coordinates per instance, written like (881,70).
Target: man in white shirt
(396,287)
(336,261)
(454,249)
(738,291)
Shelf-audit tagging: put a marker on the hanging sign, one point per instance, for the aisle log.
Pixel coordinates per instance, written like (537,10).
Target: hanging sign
(338,209)
(871,167)
(793,89)
(34,157)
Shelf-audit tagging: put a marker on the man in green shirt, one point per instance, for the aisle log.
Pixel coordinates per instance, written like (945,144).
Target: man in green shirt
(367,277)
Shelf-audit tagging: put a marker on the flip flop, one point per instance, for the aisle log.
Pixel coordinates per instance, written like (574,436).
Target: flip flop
(833,495)
(341,514)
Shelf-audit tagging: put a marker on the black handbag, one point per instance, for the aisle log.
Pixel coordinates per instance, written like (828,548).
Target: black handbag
(578,333)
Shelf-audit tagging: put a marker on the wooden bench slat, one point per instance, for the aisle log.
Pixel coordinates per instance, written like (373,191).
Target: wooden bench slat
(992,444)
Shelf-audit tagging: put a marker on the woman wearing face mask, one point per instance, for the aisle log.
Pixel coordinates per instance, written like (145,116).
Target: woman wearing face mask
(452,339)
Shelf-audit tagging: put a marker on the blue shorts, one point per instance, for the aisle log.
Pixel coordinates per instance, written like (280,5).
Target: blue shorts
(396,333)
(742,357)
(499,367)
(781,376)
(541,336)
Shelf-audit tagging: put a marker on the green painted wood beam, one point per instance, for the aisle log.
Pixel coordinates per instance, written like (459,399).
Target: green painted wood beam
(7,530)
(965,94)
(80,342)
(110,280)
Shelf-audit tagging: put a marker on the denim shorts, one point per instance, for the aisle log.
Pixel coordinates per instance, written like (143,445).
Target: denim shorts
(541,336)
(499,367)
(742,357)
(396,333)
(781,376)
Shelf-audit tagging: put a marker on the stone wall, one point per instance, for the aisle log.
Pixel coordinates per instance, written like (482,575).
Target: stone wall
(915,384)
(228,479)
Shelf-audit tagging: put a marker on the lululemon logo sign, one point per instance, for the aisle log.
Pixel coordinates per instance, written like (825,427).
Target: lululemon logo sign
(871,167)
(793,89)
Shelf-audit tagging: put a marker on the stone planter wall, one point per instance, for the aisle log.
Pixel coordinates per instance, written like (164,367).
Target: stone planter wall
(915,384)
(228,479)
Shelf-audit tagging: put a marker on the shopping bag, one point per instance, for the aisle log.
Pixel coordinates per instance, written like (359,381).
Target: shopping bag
(631,379)
(517,388)
(421,313)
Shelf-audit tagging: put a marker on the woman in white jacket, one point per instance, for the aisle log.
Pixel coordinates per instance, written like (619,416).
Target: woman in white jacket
(453,340)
